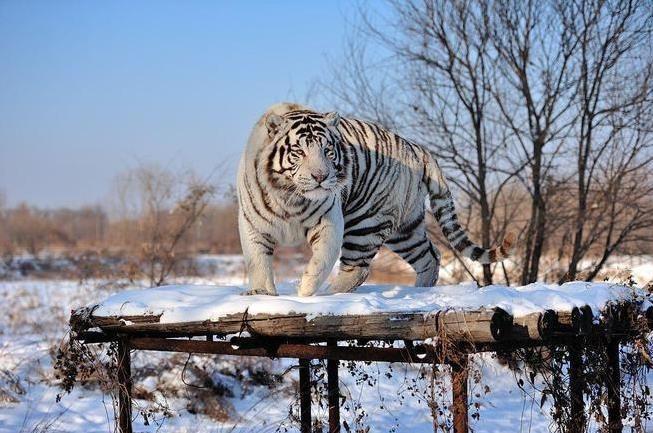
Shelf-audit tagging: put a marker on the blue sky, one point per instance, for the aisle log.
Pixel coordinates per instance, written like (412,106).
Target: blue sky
(91,88)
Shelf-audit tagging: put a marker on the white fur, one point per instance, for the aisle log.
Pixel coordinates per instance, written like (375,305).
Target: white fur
(289,231)
(270,216)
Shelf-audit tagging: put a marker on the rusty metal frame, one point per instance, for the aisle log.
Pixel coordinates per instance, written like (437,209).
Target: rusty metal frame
(333,353)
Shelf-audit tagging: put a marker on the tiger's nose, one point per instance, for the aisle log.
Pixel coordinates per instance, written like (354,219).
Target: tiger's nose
(319,176)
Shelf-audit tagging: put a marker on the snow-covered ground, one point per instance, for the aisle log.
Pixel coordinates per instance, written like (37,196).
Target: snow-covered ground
(251,396)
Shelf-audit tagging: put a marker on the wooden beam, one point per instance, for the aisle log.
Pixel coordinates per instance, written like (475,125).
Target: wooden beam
(459,376)
(268,347)
(124,387)
(576,386)
(534,326)
(418,353)
(613,385)
(482,325)
(578,321)
(333,391)
(421,354)
(480,328)
(305,395)
(83,318)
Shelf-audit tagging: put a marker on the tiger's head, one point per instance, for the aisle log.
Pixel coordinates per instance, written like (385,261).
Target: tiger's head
(307,157)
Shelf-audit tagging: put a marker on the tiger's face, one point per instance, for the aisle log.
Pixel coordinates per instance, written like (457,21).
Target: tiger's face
(307,155)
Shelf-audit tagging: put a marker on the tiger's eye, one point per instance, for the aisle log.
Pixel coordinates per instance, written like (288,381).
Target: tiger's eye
(329,152)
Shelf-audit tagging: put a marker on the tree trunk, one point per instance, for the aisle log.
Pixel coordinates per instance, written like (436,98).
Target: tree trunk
(572,270)
(538,243)
(486,216)
(528,245)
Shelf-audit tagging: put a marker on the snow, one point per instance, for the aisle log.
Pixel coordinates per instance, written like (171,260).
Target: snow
(187,303)
(34,315)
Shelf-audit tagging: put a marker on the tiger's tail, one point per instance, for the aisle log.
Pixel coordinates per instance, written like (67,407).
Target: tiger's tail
(444,210)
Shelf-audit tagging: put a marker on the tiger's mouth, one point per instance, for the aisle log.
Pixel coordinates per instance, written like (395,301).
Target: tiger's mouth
(318,188)
(328,185)
(318,192)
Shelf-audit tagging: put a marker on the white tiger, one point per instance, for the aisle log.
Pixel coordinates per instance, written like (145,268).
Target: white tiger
(347,187)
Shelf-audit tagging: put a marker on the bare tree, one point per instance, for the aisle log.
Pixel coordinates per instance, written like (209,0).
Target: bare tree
(534,92)
(166,206)
(620,209)
(613,73)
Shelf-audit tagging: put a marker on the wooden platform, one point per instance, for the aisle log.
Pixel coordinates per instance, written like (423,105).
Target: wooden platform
(348,337)
(477,326)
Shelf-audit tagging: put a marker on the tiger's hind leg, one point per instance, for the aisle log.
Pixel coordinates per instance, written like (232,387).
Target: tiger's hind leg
(359,247)
(414,246)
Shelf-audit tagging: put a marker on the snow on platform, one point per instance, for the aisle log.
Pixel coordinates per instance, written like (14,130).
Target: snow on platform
(189,303)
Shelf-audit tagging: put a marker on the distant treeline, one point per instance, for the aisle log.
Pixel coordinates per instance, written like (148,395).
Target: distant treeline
(29,229)
(153,212)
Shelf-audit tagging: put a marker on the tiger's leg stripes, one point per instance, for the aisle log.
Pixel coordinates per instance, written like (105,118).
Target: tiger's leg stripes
(416,248)
(257,250)
(324,239)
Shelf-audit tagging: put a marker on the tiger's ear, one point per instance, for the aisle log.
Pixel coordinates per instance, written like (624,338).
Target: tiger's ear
(273,123)
(332,119)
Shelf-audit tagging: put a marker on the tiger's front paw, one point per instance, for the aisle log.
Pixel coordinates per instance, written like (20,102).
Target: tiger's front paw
(306,291)
(259,292)
(307,287)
